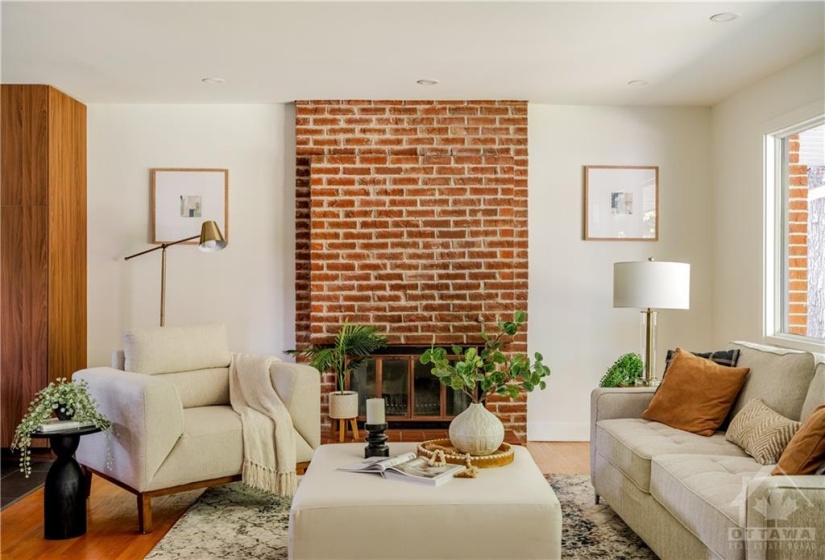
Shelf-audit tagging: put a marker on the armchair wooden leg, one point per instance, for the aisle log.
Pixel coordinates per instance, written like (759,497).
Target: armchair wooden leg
(144,504)
(144,499)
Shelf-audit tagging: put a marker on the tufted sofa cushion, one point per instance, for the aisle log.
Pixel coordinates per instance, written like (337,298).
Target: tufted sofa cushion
(706,494)
(630,443)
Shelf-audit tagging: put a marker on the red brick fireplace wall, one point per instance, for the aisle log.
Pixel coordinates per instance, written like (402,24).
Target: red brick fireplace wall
(412,216)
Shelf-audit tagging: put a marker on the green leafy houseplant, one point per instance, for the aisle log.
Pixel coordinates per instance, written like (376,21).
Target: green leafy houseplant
(481,374)
(623,372)
(68,398)
(353,345)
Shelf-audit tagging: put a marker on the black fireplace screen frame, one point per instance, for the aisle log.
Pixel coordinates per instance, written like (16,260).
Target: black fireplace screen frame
(413,395)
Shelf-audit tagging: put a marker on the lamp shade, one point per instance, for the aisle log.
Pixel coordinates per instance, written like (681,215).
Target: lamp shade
(211,240)
(651,284)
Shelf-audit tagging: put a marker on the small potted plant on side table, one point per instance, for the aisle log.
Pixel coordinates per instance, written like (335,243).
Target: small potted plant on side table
(353,345)
(480,375)
(66,400)
(623,372)
(64,504)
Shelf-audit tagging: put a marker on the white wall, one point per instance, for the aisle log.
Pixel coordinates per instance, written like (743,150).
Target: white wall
(572,319)
(249,286)
(738,126)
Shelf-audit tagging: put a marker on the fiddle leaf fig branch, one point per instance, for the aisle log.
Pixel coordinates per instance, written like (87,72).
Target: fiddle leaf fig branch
(482,373)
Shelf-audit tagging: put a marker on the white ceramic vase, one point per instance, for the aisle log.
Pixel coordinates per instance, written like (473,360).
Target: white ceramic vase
(476,431)
(343,405)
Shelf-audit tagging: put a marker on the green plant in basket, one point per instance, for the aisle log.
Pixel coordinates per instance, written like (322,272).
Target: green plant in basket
(68,399)
(482,373)
(623,372)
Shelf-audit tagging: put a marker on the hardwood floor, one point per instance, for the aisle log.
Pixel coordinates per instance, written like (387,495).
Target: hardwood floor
(112,522)
(561,457)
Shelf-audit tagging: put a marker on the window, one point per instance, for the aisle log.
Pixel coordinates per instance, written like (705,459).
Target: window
(796,207)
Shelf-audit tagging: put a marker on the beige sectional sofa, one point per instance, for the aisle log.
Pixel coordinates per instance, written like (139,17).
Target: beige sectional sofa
(694,497)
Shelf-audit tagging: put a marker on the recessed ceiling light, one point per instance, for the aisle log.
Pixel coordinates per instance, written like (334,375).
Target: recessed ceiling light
(724,17)
(426,82)
(213,80)
(637,83)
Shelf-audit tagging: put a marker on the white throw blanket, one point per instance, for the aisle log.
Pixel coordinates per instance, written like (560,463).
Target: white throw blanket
(268,437)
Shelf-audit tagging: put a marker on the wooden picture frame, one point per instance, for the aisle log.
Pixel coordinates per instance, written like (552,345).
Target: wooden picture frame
(621,203)
(182,199)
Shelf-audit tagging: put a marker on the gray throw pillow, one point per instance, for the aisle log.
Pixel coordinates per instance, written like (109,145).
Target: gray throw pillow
(722,357)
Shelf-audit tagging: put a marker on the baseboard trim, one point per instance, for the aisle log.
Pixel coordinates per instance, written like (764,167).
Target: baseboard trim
(553,431)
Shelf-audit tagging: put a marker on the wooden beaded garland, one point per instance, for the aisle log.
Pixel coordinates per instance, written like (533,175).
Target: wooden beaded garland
(431,448)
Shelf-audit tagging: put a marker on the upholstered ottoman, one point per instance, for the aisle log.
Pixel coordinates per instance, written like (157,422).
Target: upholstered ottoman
(507,513)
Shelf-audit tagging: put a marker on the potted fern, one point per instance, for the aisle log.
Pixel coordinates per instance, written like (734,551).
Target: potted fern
(65,399)
(353,345)
(623,372)
(481,374)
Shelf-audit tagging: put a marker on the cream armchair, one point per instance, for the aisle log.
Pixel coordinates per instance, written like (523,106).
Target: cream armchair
(167,396)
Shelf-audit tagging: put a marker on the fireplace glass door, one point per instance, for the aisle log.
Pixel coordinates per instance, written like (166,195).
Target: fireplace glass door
(410,391)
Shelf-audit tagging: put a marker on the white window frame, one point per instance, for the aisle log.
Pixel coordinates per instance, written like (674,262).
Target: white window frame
(776,237)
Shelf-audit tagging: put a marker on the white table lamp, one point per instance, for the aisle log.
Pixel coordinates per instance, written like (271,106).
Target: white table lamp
(651,285)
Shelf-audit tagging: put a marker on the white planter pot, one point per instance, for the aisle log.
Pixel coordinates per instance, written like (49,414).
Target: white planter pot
(476,431)
(343,405)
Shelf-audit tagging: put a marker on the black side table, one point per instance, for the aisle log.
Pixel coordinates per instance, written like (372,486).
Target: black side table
(64,496)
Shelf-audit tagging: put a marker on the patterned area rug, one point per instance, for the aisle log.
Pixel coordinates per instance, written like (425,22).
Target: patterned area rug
(593,531)
(233,522)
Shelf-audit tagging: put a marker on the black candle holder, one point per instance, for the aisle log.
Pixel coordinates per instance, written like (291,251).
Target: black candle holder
(376,440)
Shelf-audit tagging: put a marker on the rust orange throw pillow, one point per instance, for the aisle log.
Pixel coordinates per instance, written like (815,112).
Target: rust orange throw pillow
(806,451)
(696,394)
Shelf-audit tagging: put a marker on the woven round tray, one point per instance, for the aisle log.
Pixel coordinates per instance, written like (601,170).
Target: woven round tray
(504,455)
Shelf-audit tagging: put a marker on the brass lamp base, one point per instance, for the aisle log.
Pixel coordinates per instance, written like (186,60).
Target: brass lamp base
(640,382)
(648,378)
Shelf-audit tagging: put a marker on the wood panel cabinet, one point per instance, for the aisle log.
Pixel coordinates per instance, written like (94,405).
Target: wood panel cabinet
(43,244)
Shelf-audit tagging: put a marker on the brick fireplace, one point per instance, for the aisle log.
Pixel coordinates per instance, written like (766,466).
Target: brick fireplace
(412,216)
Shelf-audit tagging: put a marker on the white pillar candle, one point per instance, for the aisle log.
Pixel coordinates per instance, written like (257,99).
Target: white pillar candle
(375,411)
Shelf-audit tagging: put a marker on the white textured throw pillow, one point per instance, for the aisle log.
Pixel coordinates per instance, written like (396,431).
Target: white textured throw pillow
(761,432)
(172,349)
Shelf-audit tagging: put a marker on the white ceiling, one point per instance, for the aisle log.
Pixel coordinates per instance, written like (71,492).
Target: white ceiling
(555,52)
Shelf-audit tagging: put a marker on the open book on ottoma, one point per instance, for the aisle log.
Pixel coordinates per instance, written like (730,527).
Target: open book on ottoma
(407,467)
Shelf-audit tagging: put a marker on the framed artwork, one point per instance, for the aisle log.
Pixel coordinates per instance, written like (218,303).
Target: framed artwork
(621,203)
(182,199)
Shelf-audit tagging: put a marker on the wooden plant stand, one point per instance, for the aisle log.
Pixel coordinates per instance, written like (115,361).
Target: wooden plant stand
(342,427)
